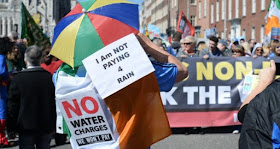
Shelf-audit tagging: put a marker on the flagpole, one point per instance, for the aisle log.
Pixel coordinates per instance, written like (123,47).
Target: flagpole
(20,22)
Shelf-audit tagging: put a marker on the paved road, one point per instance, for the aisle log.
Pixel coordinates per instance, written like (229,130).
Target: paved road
(217,139)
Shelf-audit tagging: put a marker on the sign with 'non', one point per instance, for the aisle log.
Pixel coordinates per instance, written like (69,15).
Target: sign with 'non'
(118,65)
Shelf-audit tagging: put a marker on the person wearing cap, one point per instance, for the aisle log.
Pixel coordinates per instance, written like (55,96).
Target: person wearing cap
(222,46)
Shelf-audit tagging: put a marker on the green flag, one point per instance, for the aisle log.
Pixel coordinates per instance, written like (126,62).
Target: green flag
(31,31)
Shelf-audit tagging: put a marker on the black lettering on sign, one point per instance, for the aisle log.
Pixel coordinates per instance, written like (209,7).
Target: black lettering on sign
(94,139)
(120,69)
(125,77)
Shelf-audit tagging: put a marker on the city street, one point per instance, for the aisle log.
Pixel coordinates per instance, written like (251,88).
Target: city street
(217,139)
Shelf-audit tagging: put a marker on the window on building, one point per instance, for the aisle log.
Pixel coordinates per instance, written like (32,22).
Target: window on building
(229,9)
(253,6)
(4,1)
(193,21)
(222,35)
(217,11)
(244,5)
(199,10)
(262,33)
(262,5)
(205,8)
(236,8)
(244,33)
(193,1)
(253,35)
(223,10)
(212,13)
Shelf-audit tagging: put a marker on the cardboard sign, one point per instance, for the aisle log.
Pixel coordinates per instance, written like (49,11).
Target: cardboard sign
(118,65)
(85,118)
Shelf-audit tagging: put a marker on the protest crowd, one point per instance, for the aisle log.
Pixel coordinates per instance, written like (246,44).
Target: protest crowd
(31,86)
(15,61)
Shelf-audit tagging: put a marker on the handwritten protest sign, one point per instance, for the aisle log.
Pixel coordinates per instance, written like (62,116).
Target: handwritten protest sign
(118,65)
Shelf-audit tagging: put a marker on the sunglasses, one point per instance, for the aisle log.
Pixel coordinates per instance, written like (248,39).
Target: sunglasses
(236,51)
(187,43)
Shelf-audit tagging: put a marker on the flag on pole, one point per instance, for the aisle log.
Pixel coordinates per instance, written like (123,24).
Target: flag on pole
(184,26)
(146,31)
(31,31)
(273,16)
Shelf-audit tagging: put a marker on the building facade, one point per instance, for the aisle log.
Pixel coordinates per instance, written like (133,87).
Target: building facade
(164,13)
(46,13)
(231,18)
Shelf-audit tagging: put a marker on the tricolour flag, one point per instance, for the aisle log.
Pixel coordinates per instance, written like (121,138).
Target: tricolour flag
(31,31)
(135,114)
(273,17)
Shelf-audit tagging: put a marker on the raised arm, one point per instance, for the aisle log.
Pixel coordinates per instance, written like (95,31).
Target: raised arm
(162,56)
(266,76)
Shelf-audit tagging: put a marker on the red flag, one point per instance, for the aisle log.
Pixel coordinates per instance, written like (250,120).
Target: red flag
(184,26)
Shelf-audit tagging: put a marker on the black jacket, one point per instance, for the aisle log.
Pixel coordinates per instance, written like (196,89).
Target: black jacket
(31,102)
(261,123)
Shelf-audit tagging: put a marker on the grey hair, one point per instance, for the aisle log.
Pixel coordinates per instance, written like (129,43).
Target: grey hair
(33,55)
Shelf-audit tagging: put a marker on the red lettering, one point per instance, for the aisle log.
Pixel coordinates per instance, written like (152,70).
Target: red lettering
(95,104)
(67,107)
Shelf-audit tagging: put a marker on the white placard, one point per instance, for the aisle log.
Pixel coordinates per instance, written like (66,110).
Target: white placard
(85,118)
(118,65)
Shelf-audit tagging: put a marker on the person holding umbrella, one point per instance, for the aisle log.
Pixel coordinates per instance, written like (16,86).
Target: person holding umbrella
(87,29)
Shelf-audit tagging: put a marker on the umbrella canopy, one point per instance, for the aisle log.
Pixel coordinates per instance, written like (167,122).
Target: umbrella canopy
(91,25)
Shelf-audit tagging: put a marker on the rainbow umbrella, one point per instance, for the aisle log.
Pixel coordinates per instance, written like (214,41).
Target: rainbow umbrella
(91,25)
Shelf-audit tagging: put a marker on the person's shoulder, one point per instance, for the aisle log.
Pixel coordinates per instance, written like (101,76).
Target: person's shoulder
(156,63)
(34,70)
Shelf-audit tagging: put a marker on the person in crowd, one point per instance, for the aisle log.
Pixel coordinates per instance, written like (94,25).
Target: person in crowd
(201,45)
(241,40)
(252,44)
(247,49)
(228,43)
(275,49)
(222,46)
(212,50)
(31,103)
(166,65)
(21,47)
(175,45)
(258,50)
(14,62)
(260,114)
(238,51)
(189,48)
(5,46)
(158,42)
(49,62)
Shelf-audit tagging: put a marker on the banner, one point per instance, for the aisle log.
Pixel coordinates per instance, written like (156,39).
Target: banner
(213,92)
(31,31)
(184,26)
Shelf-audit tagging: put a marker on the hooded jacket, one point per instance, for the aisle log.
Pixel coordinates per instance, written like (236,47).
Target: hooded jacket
(258,45)
(260,129)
